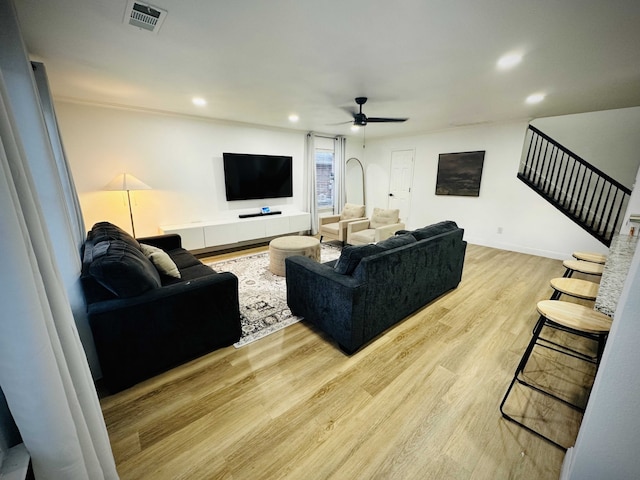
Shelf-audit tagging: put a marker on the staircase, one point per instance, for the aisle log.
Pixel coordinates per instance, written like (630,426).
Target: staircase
(583,193)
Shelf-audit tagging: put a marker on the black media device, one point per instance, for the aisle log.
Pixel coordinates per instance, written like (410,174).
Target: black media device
(252,177)
(259,214)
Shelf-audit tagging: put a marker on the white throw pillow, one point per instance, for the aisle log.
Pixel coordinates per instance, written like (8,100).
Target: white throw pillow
(161,260)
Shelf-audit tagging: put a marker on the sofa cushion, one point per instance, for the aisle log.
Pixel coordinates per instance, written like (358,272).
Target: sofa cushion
(397,241)
(122,269)
(351,210)
(103,231)
(331,228)
(382,217)
(362,237)
(433,230)
(351,256)
(197,271)
(183,258)
(161,260)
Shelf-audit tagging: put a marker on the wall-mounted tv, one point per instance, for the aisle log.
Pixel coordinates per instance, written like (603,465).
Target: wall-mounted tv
(250,177)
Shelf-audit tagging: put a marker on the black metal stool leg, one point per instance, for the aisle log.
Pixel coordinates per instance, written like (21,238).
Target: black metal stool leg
(602,340)
(523,362)
(535,339)
(572,319)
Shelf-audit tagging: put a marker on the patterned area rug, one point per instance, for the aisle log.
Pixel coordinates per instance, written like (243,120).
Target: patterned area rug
(263,295)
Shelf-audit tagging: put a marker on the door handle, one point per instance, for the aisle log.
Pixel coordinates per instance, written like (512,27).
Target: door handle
(391,194)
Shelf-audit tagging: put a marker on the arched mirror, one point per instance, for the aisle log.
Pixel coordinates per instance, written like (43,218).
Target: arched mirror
(354,182)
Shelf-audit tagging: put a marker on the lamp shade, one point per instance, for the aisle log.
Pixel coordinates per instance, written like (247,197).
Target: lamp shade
(126,182)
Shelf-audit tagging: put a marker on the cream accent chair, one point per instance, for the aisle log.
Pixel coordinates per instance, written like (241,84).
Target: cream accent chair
(384,223)
(335,226)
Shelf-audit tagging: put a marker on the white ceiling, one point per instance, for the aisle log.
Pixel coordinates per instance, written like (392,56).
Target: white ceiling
(258,61)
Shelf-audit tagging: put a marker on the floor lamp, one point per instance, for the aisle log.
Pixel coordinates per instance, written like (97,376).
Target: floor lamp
(127,182)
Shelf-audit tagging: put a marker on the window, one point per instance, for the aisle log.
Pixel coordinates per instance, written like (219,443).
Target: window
(324,178)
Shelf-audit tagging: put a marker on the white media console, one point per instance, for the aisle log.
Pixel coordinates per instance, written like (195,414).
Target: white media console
(228,232)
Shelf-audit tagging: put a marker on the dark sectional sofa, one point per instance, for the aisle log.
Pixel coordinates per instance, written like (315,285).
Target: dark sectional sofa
(372,287)
(143,318)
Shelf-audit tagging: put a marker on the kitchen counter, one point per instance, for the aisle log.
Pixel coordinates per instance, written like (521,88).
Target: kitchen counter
(615,272)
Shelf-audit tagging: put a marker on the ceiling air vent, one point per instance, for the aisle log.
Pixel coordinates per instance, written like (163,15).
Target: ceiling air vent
(144,16)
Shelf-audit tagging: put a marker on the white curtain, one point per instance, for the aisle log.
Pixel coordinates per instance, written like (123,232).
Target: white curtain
(339,168)
(64,216)
(64,173)
(43,368)
(312,201)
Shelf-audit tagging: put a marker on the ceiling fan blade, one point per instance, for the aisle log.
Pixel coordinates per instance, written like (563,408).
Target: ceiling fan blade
(339,123)
(383,120)
(350,110)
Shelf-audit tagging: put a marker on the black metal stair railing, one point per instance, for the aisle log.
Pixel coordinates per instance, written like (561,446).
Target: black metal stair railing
(588,196)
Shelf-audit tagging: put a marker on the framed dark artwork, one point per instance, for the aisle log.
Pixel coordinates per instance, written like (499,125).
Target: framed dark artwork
(460,173)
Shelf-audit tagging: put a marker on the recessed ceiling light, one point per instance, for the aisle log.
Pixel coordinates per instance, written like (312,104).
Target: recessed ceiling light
(293,118)
(199,101)
(535,98)
(509,61)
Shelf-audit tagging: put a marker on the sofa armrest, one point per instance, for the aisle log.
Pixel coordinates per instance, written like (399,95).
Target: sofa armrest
(327,299)
(357,226)
(183,291)
(382,233)
(329,219)
(169,241)
(141,336)
(346,222)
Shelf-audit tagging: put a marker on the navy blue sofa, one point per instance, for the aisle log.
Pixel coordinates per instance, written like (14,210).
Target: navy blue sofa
(145,321)
(372,287)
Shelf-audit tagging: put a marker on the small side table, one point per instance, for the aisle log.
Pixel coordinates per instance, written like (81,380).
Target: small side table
(283,247)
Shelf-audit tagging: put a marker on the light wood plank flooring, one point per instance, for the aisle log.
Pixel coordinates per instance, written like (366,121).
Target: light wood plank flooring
(420,402)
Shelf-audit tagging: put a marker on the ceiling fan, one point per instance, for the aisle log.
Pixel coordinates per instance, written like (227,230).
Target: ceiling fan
(361,119)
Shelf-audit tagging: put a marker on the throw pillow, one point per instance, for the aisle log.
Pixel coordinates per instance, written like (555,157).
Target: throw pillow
(161,260)
(123,269)
(435,229)
(397,241)
(103,231)
(352,211)
(351,256)
(382,217)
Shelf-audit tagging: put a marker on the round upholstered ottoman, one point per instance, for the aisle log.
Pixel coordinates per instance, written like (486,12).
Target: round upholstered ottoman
(283,247)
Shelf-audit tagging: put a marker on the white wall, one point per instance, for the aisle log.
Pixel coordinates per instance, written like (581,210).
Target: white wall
(609,140)
(528,223)
(179,157)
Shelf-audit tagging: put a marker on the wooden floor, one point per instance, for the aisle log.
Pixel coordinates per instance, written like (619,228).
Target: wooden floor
(420,402)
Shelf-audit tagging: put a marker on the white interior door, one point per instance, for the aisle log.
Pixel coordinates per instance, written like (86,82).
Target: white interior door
(400,181)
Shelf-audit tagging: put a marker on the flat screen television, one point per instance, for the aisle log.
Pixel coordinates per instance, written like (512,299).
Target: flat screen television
(250,177)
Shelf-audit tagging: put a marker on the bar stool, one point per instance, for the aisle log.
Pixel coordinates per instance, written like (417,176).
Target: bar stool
(572,318)
(582,266)
(590,257)
(574,287)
